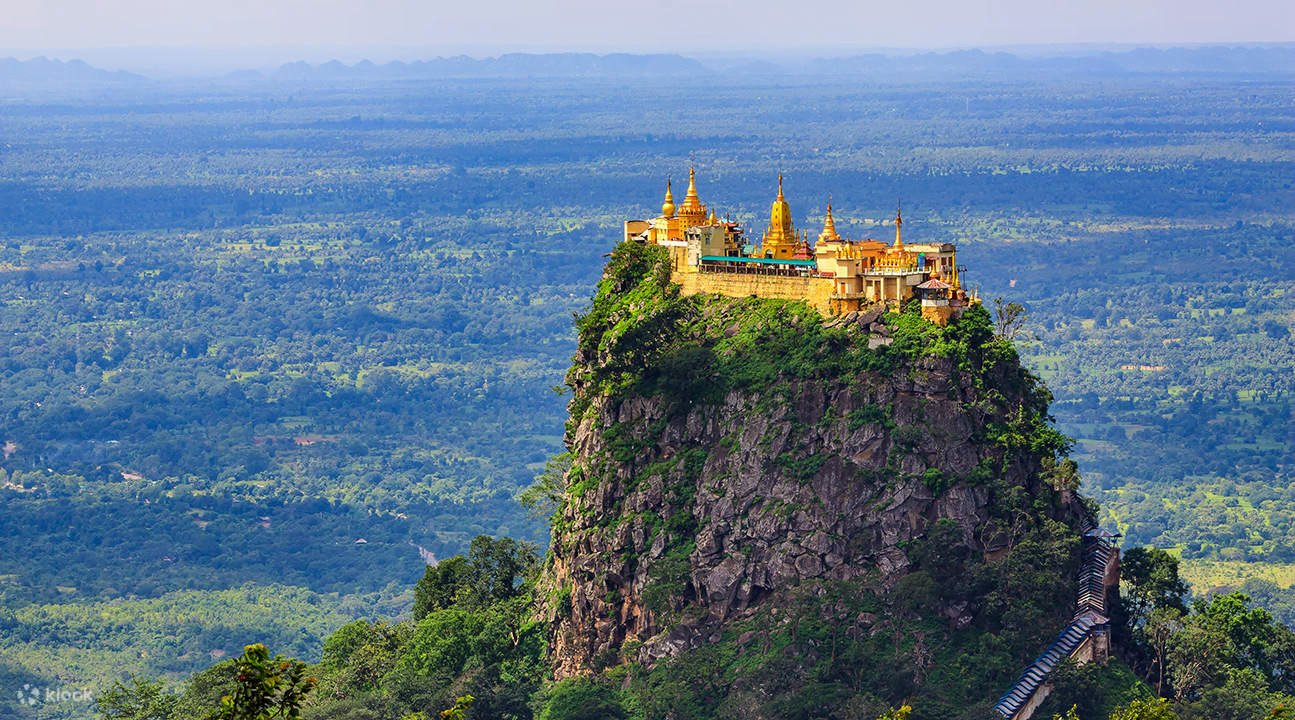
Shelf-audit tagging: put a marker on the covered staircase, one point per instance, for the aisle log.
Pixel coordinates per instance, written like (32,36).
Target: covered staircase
(1088,629)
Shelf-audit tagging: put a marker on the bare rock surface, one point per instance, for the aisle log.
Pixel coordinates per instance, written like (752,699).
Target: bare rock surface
(693,516)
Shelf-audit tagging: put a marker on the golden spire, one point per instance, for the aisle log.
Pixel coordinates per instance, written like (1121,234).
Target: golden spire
(690,200)
(829,233)
(667,208)
(692,212)
(899,221)
(780,239)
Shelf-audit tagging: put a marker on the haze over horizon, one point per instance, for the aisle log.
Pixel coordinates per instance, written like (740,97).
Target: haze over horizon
(137,34)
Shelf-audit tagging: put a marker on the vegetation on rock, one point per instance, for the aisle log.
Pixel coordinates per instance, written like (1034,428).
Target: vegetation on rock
(767,513)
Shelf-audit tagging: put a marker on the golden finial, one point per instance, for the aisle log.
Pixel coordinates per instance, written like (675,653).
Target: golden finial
(667,208)
(899,221)
(781,230)
(692,211)
(690,199)
(829,225)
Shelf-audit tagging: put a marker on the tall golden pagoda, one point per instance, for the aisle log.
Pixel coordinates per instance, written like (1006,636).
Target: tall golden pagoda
(780,239)
(692,213)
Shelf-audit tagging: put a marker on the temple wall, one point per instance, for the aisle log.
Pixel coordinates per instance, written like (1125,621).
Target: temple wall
(815,291)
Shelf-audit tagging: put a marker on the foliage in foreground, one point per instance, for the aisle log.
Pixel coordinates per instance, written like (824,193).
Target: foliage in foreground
(1222,659)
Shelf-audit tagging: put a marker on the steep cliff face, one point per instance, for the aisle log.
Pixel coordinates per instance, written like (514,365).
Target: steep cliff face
(732,458)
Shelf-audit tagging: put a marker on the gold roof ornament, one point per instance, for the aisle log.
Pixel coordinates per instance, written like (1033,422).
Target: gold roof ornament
(667,208)
(692,212)
(829,233)
(690,200)
(780,226)
(899,221)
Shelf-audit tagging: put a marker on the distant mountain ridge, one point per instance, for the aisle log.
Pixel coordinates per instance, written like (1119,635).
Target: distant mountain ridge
(42,70)
(1139,60)
(44,73)
(958,62)
(508,65)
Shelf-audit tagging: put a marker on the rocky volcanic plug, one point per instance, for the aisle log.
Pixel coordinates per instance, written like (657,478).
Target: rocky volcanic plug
(733,459)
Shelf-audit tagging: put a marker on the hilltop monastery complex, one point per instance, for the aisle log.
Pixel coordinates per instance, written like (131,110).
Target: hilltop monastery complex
(835,275)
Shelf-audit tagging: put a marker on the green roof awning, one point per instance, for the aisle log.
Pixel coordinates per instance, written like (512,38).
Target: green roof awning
(759,261)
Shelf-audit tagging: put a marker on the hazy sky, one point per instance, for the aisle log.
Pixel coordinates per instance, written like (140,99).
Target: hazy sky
(689,26)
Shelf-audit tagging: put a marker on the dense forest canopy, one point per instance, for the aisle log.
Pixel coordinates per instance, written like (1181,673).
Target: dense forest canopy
(307,335)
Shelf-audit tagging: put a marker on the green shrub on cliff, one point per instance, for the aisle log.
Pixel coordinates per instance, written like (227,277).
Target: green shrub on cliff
(472,635)
(640,336)
(580,699)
